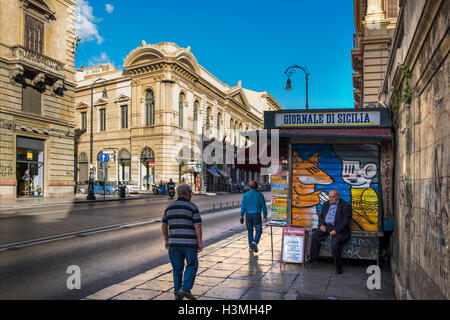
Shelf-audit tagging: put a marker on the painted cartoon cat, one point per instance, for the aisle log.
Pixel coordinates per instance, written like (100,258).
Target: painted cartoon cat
(305,175)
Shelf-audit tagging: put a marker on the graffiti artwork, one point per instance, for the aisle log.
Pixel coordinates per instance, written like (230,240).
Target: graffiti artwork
(305,176)
(351,169)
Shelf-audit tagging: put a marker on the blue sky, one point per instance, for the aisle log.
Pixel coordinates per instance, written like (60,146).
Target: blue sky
(249,40)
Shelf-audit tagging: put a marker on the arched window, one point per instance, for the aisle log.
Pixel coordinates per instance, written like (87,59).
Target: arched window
(149,108)
(180,110)
(83,167)
(147,168)
(208,118)
(124,165)
(246,138)
(218,125)
(82,157)
(231,131)
(235,133)
(195,117)
(240,136)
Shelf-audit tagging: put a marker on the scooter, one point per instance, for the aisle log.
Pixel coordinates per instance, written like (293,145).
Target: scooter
(171,191)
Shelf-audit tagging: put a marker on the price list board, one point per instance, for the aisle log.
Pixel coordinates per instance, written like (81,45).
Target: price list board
(293,245)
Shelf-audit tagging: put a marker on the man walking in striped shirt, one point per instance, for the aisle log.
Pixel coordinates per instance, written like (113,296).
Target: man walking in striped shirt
(182,231)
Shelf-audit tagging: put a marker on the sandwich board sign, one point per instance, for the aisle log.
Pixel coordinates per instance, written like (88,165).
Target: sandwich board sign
(293,245)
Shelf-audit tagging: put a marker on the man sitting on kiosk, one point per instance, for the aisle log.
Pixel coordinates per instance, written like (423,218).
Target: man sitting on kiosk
(334,221)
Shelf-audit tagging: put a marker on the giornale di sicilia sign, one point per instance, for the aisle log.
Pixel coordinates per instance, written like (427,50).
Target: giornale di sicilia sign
(368,118)
(373,117)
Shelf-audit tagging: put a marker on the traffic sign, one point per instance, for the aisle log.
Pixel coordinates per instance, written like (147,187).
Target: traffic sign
(151,164)
(104,157)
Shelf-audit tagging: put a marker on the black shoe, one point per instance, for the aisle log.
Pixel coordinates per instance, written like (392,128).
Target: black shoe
(311,261)
(187,295)
(338,271)
(178,297)
(255,247)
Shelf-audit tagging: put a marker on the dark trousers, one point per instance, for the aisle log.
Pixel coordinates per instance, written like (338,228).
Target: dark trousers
(337,243)
(253,221)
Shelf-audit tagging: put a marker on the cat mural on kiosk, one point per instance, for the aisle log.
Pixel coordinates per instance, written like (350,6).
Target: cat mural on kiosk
(352,169)
(360,171)
(306,175)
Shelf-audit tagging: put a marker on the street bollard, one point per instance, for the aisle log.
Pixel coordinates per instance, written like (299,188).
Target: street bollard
(214,206)
(227,204)
(221,205)
(232,204)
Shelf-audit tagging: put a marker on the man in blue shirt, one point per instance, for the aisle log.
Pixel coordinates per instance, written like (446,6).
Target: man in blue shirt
(252,204)
(334,221)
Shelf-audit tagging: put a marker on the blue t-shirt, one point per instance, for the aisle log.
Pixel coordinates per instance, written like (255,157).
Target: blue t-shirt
(253,202)
(331,212)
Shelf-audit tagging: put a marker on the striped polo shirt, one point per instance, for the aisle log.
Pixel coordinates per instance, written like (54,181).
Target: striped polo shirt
(181,216)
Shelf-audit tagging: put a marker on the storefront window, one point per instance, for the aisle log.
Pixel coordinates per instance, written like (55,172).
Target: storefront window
(30,167)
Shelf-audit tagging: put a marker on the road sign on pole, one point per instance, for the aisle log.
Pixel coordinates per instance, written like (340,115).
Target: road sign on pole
(104,157)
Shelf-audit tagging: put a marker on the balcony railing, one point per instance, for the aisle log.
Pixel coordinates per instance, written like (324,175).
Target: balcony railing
(37,60)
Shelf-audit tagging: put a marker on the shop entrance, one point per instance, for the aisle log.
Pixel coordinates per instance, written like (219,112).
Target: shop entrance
(29,167)
(147,168)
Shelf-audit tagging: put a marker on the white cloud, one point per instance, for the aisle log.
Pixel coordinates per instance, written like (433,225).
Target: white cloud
(109,8)
(85,23)
(103,58)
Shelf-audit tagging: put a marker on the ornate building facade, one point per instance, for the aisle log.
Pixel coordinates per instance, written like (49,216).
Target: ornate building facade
(37,49)
(156,111)
(375,22)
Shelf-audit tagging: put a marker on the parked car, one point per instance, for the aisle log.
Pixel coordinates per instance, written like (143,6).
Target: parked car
(132,188)
(98,188)
(83,187)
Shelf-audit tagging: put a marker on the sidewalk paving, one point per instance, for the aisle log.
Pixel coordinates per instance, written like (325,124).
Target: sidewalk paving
(228,271)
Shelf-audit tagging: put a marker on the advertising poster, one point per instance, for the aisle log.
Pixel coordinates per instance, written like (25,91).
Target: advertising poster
(279,198)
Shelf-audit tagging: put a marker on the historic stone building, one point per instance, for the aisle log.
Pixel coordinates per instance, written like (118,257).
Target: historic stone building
(37,48)
(152,120)
(375,22)
(416,88)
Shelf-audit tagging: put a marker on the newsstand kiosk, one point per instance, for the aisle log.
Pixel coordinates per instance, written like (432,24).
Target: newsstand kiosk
(350,150)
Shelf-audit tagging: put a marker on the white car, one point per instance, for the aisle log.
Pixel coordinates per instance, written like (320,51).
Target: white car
(131,188)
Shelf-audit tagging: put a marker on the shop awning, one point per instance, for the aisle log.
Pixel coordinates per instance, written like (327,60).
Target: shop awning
(223,173)
(213,173)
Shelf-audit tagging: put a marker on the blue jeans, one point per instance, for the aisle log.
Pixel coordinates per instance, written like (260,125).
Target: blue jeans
(177,255)
(253,221)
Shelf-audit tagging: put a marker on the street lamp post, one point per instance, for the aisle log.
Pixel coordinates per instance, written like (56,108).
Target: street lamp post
(91,194)
(289,71)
